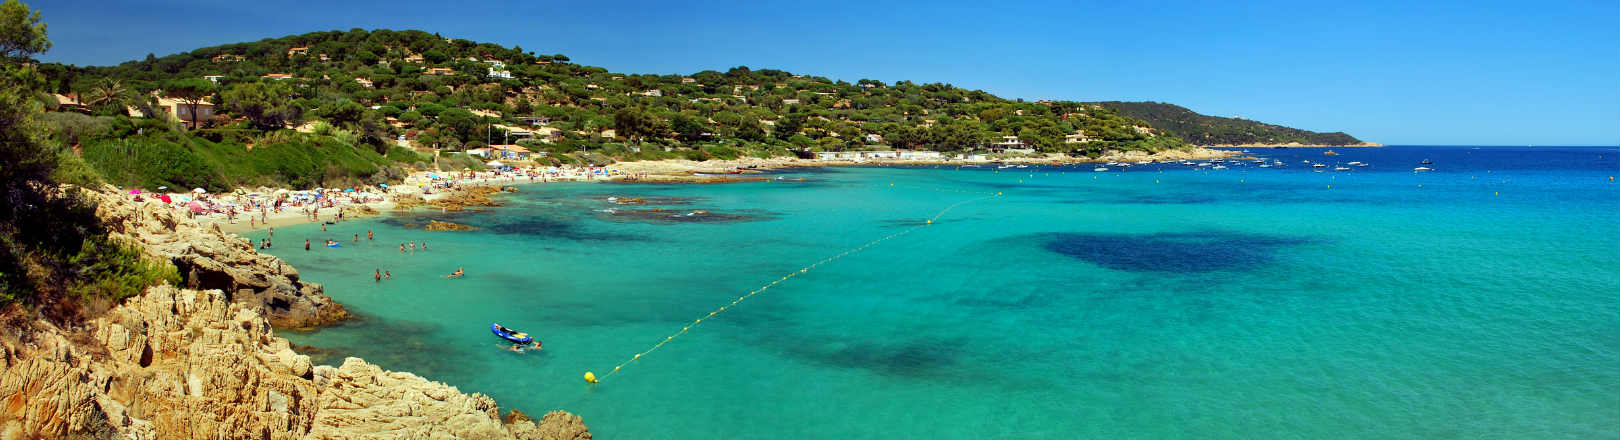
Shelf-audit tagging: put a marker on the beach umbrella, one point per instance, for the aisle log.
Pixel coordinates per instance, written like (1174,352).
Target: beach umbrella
(165,198)
(348,190)
(162,188)
(384,185)
(134,191)
(195,206)
(494,163)
(199,190)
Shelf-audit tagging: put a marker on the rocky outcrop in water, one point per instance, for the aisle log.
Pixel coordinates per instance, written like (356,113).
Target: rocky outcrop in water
(435,225)
(188,364)
(210,259)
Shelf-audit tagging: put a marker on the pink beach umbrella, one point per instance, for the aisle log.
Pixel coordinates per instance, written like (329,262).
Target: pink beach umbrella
(196,207)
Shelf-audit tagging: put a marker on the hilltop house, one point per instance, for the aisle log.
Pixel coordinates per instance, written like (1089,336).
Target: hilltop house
(70,103)
(301,50)
(225,57)
(441,71)
(1076,138)
(415,58)
(213,78)
(688,80)
(874,138)
(277,76)
(363,82)
(502,74)
(653,92)
(182,112)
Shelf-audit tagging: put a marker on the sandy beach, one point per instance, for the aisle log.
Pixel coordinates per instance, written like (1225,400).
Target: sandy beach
(427,186)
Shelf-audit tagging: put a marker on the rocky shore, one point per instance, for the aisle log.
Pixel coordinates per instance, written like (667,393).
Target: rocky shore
(203,361)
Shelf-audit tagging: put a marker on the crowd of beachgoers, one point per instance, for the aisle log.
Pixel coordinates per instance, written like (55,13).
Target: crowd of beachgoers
(247,209)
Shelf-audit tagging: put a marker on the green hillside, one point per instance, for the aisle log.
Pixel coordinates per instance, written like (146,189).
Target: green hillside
(1214,130)
(458,94)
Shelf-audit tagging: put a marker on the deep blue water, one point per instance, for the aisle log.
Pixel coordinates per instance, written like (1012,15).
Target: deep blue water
(1480,300)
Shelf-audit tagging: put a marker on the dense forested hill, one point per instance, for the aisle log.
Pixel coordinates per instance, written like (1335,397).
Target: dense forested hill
(1214,130)
(338,106)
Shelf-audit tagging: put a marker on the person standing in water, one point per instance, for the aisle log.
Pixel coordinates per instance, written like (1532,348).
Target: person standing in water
(402,248)
(369,236)
(388,275)
(377,275)
(306,244)
(356,238)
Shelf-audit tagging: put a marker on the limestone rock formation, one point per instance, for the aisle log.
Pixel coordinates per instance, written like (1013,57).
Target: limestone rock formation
(435,225)
(210,259)
(188,364)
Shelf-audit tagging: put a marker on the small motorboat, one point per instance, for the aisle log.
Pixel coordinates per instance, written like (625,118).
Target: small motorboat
(1341,169)
(1427,162)
(1100,169)
(1317,165)
(509,334)
(1422,169)
(1329,153)
(1218,167)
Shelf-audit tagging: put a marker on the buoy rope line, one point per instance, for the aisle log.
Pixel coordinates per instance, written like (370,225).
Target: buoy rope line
(591,377)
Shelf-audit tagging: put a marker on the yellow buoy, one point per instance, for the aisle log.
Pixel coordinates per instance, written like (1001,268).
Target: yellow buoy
(590,377)
(891,184)
(929,222)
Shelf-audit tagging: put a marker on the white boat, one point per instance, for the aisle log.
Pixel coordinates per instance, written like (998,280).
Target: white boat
(1317,165)
(1422,169)
(1361,164)
(1340,169)
(1203,164)
(1218,167)
(1023,166)
(1265,166)
(1100,169)
(1356,163)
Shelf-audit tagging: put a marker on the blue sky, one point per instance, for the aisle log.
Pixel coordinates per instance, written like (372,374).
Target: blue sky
(1485,72)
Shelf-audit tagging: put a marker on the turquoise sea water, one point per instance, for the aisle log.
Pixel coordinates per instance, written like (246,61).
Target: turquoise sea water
(1481,300)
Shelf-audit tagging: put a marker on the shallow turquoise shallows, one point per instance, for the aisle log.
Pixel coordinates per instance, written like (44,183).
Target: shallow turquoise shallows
(1479,300)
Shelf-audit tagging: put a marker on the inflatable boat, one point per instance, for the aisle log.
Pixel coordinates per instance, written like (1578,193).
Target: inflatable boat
(509,334)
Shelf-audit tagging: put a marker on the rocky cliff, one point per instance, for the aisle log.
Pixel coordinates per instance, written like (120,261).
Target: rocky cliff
(189,364)
(183,363)
(210,259)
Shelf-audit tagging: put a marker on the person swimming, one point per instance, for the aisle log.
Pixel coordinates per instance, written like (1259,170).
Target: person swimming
(457,274)
(369,236)
(388,275)
(402,248)
(356,238)
(377,275)
(515,348)
(535,345)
